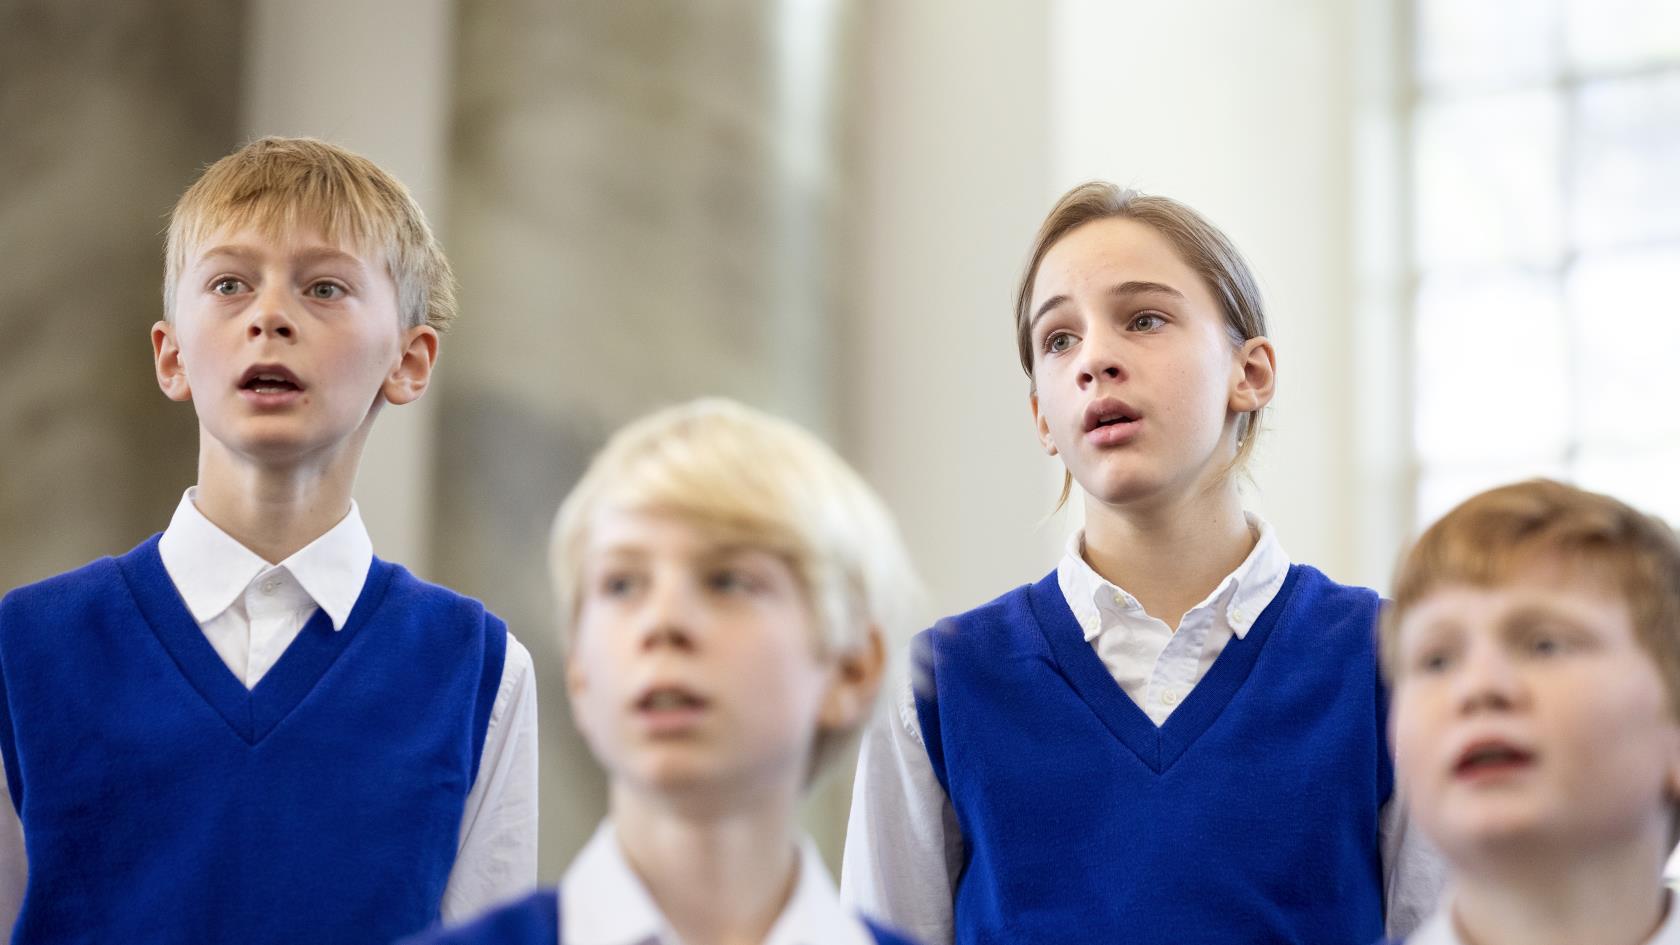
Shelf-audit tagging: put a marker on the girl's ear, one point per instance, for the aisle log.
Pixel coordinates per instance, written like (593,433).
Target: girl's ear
(1041,424)
(1253,375)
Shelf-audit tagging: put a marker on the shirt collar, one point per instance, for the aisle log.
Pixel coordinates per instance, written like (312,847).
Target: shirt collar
(1441,930)
(1246,592)
(211,569)
(603,902)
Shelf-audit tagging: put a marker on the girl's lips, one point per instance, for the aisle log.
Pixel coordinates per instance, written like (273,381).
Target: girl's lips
(1113,434)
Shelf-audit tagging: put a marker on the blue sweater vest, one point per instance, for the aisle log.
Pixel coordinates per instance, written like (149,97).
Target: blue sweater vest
(162,802)
(1250,816)
(535,920)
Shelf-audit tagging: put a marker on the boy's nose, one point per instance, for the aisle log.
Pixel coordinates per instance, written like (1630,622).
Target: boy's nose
(269,317)
(1489,682)
(666,621)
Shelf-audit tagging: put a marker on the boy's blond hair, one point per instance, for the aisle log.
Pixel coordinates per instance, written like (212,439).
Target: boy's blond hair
(762,480)
(280,184)
(1494,536)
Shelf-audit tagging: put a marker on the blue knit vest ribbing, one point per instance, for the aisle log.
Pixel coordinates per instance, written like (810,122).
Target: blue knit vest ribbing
(162,802)
(1250,816)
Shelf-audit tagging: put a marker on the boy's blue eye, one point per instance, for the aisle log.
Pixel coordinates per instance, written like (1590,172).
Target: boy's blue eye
(1147,321)
(326,291)
(226,286)
(1058,342)
(618,585)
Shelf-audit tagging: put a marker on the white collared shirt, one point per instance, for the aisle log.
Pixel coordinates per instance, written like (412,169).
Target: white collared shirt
(603,902)
(251,611)
(904,846)
(1441,930)
(1156,665)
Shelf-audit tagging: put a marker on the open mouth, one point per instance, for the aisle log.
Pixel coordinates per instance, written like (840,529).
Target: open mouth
(1491,757)
(269,379)
(1113,418)
(669,699)
(1108,412)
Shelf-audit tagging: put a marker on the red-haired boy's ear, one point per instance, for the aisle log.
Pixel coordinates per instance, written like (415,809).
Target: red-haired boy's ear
(1041,424)
(166,360)
(408,380)
(1253,376)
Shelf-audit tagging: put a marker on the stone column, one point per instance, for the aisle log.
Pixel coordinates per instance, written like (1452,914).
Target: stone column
(107,112)
(647,205)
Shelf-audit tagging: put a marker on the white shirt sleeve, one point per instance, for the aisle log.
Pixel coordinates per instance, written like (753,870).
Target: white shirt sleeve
(497,856)
(904,849)
(14,863)
(1414,874)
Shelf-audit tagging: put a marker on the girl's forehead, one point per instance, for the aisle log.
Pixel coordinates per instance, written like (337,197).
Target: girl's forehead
(1105,255)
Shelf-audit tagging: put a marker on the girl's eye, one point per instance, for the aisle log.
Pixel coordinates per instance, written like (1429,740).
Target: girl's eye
(227,285)
(1147,321)
(1058,341)
(325,291)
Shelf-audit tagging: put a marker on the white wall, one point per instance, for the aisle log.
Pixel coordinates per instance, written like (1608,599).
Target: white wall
(1243,111)
(373,76)
(955,159)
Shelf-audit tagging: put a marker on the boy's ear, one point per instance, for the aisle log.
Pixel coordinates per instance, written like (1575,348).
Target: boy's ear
(1673,779)
(166,360)
(856,677)
(1253,375)
(408,380)
(1041,424)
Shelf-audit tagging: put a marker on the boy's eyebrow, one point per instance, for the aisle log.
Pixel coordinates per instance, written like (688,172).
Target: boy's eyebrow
(314,254)
(1129,288)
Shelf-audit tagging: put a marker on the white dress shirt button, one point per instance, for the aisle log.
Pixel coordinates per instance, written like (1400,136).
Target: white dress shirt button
(1092,624)
(1170,697)
(270,586)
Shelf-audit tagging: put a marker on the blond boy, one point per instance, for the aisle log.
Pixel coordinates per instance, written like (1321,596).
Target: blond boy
(724,583)
(250,729)
(1534,644)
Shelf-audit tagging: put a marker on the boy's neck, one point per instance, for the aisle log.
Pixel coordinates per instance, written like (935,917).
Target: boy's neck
(273,511)
(1169,556)
(1616,898)
(718,879)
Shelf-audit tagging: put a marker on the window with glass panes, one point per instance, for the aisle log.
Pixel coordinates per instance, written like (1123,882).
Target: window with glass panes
(1545,186)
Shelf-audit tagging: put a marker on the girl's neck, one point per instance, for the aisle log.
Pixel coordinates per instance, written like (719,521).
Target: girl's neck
(1172,555)
(274,511)
(718,880)
(1612,899)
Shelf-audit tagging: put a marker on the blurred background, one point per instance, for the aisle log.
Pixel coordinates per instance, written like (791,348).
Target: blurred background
(1465,216)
